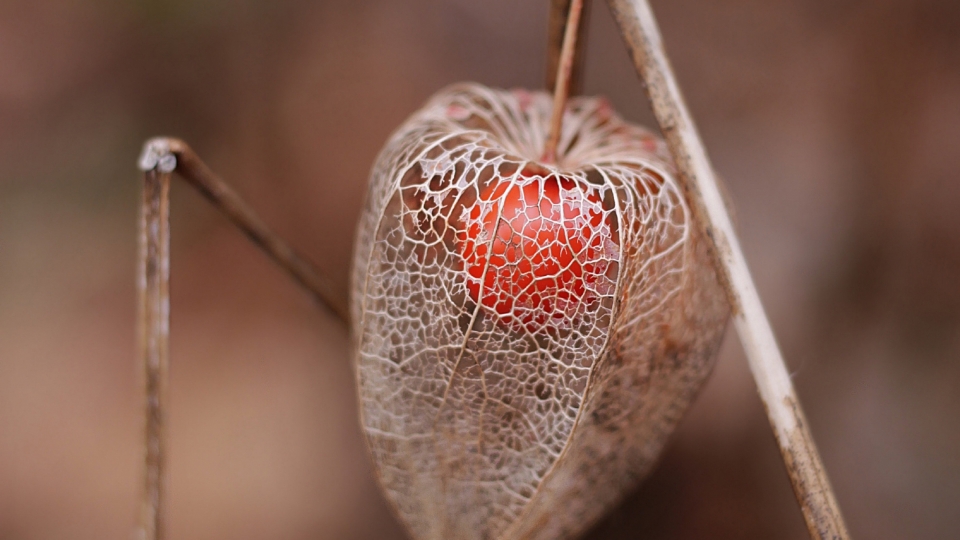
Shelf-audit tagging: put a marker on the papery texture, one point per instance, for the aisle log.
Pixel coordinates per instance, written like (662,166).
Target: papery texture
(529,415)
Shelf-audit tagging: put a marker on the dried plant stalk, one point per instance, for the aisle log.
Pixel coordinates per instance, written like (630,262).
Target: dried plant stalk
(154,315)
(524,418)
(561,88)
(174,154)
(806,471)
(159,159)
(556,28)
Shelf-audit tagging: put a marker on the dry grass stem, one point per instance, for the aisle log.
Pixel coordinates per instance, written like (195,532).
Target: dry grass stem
(809,479)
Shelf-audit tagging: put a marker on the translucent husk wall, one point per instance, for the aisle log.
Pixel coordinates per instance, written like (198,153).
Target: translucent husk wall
(499,403)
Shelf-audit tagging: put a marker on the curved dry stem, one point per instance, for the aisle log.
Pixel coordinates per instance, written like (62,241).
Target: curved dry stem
(168,155)
(160,158)
(809,478)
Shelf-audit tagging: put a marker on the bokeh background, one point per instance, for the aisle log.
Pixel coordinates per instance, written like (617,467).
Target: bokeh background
(835,123)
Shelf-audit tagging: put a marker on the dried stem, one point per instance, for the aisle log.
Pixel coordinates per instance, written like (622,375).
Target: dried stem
(154,298)
(160,158)
(561,89)
(809,479)
(173,154)
(557,23)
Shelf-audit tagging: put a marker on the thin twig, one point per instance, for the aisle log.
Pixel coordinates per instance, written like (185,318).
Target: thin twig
(153,287)
(174,154)
(160,158)
(557,24)
(561,89)
(807,474)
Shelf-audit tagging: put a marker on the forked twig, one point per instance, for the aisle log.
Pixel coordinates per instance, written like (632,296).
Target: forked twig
(806,471)
(168,154)
(561,88)
(153,288)
(160,158)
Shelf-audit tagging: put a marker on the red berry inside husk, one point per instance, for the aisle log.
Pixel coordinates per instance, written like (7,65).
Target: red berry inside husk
(533,249)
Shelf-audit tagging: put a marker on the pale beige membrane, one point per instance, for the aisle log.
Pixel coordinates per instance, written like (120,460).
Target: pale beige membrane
(482,429)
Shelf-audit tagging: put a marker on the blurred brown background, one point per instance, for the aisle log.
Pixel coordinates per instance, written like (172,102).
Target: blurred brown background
(835,123)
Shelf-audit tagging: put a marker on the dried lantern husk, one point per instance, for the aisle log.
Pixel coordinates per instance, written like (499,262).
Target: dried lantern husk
(483,428)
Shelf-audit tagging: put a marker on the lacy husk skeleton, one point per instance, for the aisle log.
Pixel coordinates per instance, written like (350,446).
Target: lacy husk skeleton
(523,417)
